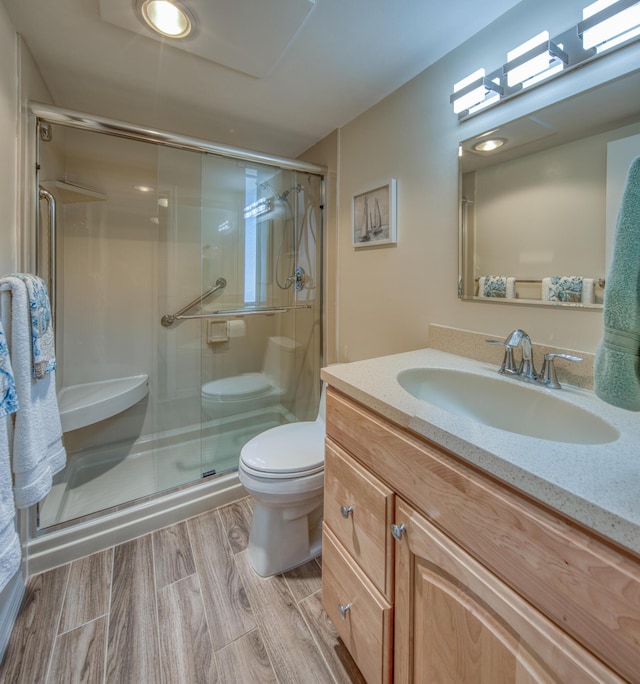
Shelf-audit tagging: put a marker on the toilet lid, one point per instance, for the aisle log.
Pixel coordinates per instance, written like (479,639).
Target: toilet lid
(286,451)
(245,386)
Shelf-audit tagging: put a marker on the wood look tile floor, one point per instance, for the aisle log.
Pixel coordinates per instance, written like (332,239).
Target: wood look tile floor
(180,605)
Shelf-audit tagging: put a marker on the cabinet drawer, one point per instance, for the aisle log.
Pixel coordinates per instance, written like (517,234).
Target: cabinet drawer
(366,627)
(359,509)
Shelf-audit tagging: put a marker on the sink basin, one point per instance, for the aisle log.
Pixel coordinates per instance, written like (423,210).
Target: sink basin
(507,405)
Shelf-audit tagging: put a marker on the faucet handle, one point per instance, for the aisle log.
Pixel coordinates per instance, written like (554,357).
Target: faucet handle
(509,366)
(548,375)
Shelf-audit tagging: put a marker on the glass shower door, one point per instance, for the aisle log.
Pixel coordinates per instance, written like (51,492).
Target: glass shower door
(144,231)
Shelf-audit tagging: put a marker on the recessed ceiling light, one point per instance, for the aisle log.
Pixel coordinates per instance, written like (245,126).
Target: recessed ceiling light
(167,17)
(143,188)
(489,145)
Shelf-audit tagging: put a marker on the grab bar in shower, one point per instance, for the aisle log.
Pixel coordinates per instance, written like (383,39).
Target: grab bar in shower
(258,311)
(169,319)
(44,194)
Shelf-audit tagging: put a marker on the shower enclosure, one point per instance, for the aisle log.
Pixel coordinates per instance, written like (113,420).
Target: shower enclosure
(186,279)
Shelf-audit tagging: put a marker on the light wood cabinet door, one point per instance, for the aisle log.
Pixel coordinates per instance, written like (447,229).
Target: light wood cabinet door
(457,623)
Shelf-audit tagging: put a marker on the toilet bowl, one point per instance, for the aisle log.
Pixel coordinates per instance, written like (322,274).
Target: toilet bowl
(283,469)
(252,391)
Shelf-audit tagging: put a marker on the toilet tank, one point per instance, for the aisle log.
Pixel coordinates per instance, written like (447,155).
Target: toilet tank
(280,361)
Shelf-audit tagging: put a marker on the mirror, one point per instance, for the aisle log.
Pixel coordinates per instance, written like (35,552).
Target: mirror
(538,213)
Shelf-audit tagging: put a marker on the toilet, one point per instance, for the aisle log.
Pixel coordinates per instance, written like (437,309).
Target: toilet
(283,469)
(252,391)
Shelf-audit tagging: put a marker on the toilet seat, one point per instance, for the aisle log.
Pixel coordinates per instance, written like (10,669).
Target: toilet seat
(245,386)
(285,452)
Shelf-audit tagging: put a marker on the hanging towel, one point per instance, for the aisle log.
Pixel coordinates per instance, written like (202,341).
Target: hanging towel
(42,337)
(38,452)
(8,396)
(502,287)
(616,368)
(9,541)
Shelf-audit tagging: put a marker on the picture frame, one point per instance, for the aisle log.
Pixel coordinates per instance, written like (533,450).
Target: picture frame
(374,216)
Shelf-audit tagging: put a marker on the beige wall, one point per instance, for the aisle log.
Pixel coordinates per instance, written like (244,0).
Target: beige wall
(8,144)
(387,296)
(20,81)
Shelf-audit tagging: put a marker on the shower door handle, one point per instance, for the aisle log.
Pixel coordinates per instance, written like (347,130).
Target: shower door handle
(44,194)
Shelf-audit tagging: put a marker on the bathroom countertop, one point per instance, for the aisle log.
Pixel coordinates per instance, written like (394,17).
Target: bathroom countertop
(598,486)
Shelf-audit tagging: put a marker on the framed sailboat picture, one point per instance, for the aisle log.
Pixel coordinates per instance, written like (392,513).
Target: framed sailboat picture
(374,216)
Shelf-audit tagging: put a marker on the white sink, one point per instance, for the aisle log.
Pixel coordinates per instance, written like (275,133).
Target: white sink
(507,404)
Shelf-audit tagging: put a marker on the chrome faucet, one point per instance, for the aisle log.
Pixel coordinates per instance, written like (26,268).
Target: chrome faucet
(526,369)
(519,337)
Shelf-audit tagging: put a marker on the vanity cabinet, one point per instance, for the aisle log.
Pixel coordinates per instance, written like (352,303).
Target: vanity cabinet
(485,585)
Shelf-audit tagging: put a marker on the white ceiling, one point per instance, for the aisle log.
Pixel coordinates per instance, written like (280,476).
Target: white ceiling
(315,66)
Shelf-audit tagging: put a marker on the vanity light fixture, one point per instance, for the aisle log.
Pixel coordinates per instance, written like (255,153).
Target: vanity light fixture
(534,60)
(471,92)
(607,23)
(169,18)
(489,145)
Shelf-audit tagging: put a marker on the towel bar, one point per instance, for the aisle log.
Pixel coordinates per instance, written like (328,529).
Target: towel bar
(168,319)
(231,313)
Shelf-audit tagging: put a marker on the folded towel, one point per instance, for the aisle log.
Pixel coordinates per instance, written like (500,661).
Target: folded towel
(42,337)
(502,287)
(9,541)
(616,368)
(568,289)
(38,452)
(565,289)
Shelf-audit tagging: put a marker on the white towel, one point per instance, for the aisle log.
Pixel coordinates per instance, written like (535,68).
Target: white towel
(9,541)
(38,452)
(588,290)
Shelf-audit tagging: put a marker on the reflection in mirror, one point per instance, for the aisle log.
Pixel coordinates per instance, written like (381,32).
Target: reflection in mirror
(538,207)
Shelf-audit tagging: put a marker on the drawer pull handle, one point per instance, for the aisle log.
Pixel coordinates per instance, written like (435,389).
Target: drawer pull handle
(344,610)
(346,510)
(398,530)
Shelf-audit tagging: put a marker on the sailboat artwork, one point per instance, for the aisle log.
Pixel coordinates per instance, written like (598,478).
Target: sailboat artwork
(374,216)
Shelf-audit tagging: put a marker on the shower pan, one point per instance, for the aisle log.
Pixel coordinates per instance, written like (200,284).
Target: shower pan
(186,281)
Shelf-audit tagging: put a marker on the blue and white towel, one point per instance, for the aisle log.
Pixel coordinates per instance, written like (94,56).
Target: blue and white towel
(502,287)
(8,395)
(37,451)
(9,541)
(494,286)
(42,336)
(565,289)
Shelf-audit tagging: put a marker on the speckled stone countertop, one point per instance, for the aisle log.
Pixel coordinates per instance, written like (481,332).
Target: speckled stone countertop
(595,485)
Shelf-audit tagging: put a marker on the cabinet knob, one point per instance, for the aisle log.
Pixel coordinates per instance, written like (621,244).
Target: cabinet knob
(344,610)
(398,530)
(346,510)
